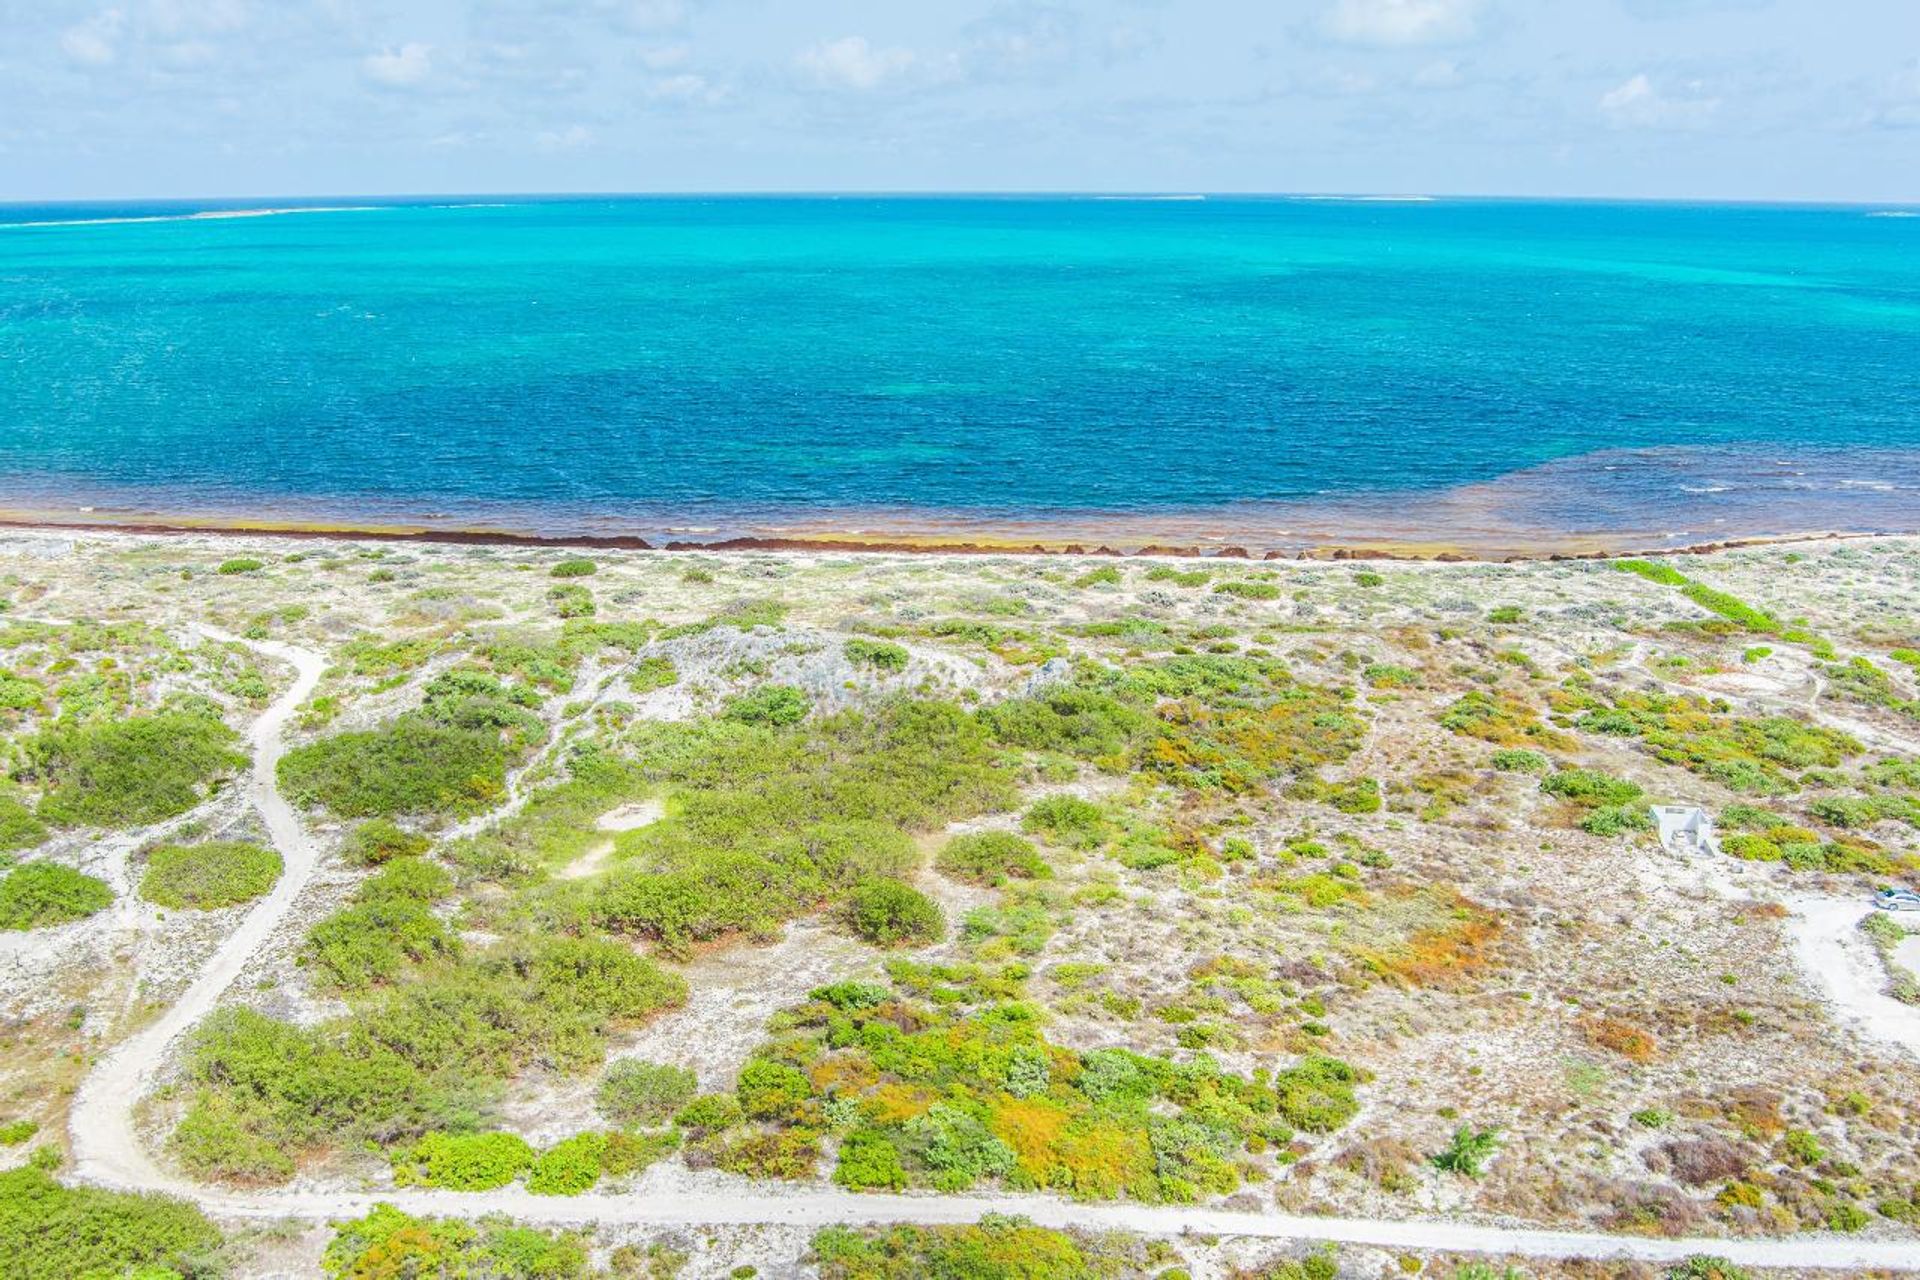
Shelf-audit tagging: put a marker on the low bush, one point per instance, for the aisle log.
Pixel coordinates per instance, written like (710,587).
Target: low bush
(201,877)
(964,1088)
(769,823)
(656,672)
(19,829)
(636,1092)
(241,564)
(995,1248)
(130,772)
(380,840)
(776,705)
(53,1232)
(1590,788)
(40,894)
(387,1244)
(878,654)
(888,913)
(989,857)
(577,567)
(1520,760)
(1468,1151)
(1069,821)
(421,1057)
(569,1166)
(1247,590)
(449,757)
(463,1161)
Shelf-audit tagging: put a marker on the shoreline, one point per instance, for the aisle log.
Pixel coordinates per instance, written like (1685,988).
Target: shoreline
(1571,547)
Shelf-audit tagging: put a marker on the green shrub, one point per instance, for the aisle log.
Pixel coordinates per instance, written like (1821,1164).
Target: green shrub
(1365,578)
(463,1161)
(417,1058)
(770,1090)
(16,1132)
(379,840)
(372,943)
(770,704)
(1068,821)
(989,857)
(1705,1267)
(569,1166)
(19,829)
(870,1162)
(1617,819)
(656,672)
(389,1245)
(448,757)
(1520,760)
(876,653)
(1506,614)
(636,1092)
(710,1113)
(571,600)
(996,1248)
(1247,590)
(768,824)
(1590,788)
(578,567)
(219,873)
(39,894)
(130,772)
(626,1153)
(888,913)
(242,564)
(52,1232)
(1468,1152)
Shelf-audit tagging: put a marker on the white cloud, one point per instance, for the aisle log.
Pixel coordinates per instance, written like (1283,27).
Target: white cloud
(686,87)
(572,138)
(1640,104)
(1442,74)
(852,63)
(665,57)
(94,43)
(402,68)
(1402,22)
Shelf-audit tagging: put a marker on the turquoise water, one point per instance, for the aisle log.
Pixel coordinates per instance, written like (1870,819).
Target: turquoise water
(735,365)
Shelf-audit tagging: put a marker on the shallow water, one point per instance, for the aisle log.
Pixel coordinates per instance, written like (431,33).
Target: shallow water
(1225,369)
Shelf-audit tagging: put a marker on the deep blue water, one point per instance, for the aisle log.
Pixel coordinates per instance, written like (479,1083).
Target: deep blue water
(737,362)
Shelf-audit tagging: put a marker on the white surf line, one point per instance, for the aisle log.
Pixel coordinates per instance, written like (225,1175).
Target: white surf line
(105,1146)
(108,1152)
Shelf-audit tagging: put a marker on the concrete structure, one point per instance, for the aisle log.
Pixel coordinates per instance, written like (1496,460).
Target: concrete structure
(1685,829)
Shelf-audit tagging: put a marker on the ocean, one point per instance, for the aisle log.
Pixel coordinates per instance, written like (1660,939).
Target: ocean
(1274,372)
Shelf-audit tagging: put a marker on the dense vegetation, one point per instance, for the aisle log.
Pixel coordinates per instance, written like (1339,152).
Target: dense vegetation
(773,820)
(219,873)
(132,771)
(426,1054)
(52,1232)
(387,1244)
(945,1080)
(449,757)
(39,894)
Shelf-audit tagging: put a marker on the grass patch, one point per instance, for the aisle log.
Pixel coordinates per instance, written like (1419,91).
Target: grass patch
(219,873)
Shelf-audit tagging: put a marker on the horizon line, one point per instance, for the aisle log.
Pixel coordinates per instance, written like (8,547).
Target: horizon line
(1169,195)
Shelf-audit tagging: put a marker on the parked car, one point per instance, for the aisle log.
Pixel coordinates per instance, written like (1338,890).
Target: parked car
(1897,900)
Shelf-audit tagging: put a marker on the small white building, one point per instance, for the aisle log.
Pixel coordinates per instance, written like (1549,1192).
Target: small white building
(1685,829)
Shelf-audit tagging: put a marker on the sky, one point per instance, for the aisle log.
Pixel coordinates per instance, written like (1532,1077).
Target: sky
(1704,99)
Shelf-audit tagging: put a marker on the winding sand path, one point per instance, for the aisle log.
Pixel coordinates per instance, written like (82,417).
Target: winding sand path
(108,1152)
